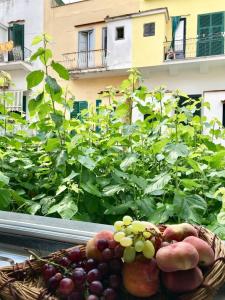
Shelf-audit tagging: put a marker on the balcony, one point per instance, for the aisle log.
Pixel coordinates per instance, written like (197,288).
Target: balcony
(195,48)
(85,61)
(17,58)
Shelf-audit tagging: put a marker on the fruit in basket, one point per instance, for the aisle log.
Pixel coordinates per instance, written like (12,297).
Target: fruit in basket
(182,281)
(141,277)
(206,254)
(98,244)
(66,286)
(177,256)
(48,271)
(178,232)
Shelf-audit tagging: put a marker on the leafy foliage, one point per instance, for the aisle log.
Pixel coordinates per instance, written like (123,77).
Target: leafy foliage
(101,166)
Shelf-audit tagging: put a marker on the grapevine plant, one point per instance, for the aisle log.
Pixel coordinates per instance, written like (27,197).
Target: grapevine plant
(166,167)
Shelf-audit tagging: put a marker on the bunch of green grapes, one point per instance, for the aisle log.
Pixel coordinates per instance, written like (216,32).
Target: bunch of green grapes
(134,236)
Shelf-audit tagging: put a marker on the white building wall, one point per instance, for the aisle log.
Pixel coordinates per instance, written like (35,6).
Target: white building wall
(31,11)
(119,51)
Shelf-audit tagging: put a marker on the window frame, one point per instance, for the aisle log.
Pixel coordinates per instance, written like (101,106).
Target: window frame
(116,33)
(144,26)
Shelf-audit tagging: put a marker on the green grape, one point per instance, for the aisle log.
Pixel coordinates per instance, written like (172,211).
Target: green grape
(118,236)
(138,226)
(118,225)
(139,246)
(129,230)
(148,250)
(126,242)
(127,220)
(147,234)
(129,254)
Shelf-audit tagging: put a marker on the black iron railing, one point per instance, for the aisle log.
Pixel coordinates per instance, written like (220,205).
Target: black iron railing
(85,60)
(16,54)
(205,45)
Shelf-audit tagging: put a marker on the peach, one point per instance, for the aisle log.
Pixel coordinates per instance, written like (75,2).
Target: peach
(141,277)
(206,254)
(179,232)
(176,257)
(182,281)
(91,247)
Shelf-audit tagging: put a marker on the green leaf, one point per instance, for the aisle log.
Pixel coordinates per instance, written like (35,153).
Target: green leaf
(33,104)
(128,161)
(4,179)
(111,190)
(159,182)
(61,189)
(67,208)
(34,208)
(39,52)
(190,183)
(120,209)
(175,151)
(61,70)
(70,177)
(221,218)
(91,189)
(146,206)
(37,39)
(45,56)
(162,214)
(87,162)
(52,144)
(34,78)
(57,119)
(52,85)
(190,208)
(5,198)
(158,146)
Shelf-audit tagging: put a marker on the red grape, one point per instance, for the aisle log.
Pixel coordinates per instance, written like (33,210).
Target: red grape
(107,254)
(52,284)
(79,276)
(96,288)
(75,254)
(112,244)
(91,264)
(48,271)
(64,261)
(118,251)
(66,286)
(102,244)
(109,294)
(114,281)
(94,275)
(103,268)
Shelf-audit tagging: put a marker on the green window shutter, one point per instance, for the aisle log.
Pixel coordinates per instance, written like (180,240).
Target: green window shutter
(78,106)
(210,39)
(98,103)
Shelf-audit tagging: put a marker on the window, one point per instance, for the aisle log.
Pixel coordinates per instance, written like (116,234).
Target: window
(16,34)
(149,29)
(78,106)
(119,33)
(210,34)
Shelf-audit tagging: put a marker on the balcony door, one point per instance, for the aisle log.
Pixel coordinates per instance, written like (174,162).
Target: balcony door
(86,50)
(210,34)
(16,34)
(180,39)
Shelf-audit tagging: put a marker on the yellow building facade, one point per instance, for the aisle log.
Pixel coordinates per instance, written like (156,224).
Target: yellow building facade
(176,43)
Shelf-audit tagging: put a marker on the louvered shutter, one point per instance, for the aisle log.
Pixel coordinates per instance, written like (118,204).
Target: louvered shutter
(210,38)
(78,106)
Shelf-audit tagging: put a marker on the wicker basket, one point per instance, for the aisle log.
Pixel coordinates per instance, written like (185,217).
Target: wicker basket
(21,282)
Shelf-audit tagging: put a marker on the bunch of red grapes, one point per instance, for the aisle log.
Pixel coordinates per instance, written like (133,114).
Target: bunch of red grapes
(75,277)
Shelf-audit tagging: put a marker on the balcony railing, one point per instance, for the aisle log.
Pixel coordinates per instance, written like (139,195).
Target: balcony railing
(85,60)
(16,54)
(205,45)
